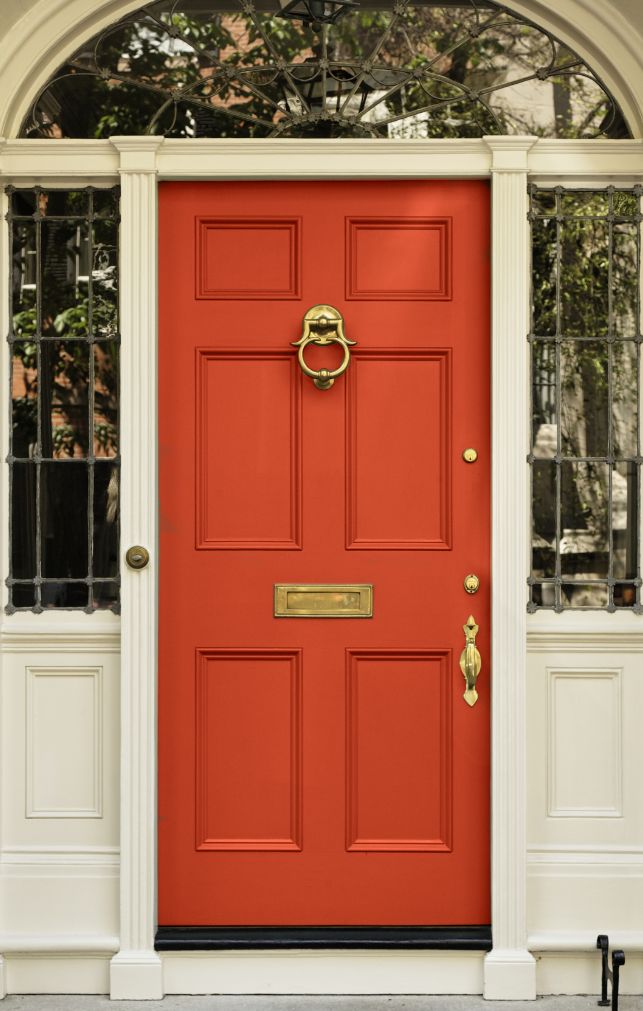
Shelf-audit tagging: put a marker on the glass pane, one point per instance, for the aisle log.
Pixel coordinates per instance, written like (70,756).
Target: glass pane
(64,203)
(584,595)
(105,202)
(625,520)
(625,279)
(64,594)
(543,594)
(584,398)
(105,595)
(625,205)
(104,279)
(24,399)
(544,259)
(584,277)
(64,287)
(23,521)
(23,595)
(584,203)
(63,519)
(24,280)
(584,545)
(543,375)
(624,398)
(543,201)
(105,520)
(543,518)
(23,202)
(106,399)
(624,595)
(64,398)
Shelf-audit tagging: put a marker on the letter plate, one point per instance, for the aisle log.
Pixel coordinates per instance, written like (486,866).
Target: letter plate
(324,600)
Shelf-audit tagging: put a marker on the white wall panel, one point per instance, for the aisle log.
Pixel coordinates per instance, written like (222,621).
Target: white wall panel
(64,771)
(584,735)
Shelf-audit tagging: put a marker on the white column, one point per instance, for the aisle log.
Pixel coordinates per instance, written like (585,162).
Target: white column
(510,970)
(136,971)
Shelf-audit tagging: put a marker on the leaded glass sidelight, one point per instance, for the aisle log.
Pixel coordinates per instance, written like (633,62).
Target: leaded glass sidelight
(384,68)
(585,381)
(64,351)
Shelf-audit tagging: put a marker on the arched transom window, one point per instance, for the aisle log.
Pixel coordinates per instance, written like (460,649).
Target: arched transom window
(336,68)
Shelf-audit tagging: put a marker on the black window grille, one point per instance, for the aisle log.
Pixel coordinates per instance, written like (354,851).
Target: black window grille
(64,443)
(585,380)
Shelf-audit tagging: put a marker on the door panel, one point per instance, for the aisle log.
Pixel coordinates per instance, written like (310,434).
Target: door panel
(315,771)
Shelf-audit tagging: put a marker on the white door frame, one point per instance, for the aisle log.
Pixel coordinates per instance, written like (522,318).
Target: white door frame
(509,162)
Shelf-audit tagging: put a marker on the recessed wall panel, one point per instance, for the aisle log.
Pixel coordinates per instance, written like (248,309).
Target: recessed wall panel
(398,732)
(584,755)
(248,750)
(398,459)
(248,423)
(398,259)
(248,258)
(63,769)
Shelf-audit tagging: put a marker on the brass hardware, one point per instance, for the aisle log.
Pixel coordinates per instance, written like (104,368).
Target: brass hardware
(324,600)
(137,557)
(471,583)
(470,455)
(470,661)
(323,325)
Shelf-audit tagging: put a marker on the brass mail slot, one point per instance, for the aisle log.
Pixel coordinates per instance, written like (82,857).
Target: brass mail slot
(324,600)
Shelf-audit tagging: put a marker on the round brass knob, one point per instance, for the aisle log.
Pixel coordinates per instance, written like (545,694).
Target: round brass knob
(137,557)
(470,455)
(471,583)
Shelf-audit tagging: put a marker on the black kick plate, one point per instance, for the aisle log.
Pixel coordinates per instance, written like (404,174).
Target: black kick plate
(220,938)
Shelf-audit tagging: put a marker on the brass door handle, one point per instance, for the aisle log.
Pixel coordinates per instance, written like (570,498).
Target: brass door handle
(323,325)
(470,661)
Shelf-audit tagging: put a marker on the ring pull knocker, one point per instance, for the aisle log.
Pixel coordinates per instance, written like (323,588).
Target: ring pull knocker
(323,325)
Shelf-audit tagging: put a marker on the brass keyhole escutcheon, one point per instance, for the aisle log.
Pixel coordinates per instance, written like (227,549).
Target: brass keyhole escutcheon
(471,583)
(137,557)
(470,455)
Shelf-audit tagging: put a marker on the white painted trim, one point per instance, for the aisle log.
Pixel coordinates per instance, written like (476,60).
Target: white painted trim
(136,970)
(94,810)
(578,162)
(510,971)
(36,944)
(323,972)
(552,940)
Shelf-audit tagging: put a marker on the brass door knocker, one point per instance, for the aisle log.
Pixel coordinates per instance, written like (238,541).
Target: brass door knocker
(323,325)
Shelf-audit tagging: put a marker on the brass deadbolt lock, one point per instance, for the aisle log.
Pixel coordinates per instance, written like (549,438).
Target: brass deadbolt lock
(470,455)
(471,583)
(137,557)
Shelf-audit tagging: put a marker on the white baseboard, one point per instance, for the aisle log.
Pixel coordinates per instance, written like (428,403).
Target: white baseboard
(50,973)
(509,975)
(323,972)
(136,975)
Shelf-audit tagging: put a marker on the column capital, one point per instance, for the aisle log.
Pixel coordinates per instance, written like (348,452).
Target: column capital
(137,154)
(510,154)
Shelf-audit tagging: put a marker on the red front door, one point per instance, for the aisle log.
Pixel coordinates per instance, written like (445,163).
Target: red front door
(323,771)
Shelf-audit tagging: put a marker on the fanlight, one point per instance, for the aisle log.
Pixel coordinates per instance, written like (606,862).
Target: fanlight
(380,68)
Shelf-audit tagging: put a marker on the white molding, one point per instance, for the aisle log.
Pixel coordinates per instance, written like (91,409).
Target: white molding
(559,941)
(323,972)
(32,747)
(68,162)
(3,980)
(136,971)
(510,971)
(37,944)
(615,676)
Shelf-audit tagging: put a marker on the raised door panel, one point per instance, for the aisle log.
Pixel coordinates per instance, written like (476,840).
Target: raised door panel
(248,258)
(398,259)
